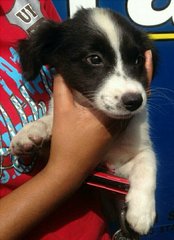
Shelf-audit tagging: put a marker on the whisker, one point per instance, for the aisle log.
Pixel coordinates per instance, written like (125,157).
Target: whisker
(163,89)
(161,95)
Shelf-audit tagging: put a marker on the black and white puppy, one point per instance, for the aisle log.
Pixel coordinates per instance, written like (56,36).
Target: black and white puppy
(101,55)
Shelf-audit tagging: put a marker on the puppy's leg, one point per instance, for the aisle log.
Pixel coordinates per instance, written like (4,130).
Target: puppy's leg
(141,172)
(32,135)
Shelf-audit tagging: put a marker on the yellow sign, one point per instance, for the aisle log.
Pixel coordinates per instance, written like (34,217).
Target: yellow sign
(161,36)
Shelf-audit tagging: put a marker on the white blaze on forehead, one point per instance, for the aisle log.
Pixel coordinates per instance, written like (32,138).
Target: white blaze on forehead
(104,22)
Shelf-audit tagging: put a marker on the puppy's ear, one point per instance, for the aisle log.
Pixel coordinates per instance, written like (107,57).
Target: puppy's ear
(38,48)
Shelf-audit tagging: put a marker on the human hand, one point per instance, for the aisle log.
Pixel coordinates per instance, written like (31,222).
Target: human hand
(79,133)
(78,138)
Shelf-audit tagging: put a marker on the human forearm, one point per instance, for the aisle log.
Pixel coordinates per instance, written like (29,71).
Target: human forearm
(78,137)
(26,206)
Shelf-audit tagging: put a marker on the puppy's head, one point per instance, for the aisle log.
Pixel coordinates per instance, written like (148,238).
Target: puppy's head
(99,54)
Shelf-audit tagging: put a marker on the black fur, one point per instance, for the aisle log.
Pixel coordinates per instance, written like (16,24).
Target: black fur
(66,46)
(133,46)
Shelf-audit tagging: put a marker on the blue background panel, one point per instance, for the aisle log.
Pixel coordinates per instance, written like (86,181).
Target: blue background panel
(161,106)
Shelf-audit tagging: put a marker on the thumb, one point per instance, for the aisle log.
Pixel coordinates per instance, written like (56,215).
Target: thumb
(63,97)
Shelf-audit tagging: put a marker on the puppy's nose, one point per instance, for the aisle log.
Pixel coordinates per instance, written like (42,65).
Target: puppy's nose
(132,101)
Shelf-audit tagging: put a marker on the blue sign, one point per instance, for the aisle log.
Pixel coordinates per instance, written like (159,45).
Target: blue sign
(157,18)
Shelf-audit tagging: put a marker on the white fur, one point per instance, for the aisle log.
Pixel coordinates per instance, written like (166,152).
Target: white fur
(112,90)
(103,21)
(133,157)
(118,83)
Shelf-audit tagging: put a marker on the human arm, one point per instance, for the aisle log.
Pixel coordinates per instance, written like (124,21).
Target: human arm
(69,163)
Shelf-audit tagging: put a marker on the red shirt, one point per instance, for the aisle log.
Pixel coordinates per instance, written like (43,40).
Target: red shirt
(22,102)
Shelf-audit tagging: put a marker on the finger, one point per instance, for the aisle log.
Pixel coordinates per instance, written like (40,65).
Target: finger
(63,96)
(149,65)
(149,69)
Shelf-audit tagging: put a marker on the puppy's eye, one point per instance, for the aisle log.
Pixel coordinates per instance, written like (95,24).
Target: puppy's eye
(94,60)
(140,60)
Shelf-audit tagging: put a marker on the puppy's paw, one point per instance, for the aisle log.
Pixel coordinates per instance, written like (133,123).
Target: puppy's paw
(29,138)
(141,211)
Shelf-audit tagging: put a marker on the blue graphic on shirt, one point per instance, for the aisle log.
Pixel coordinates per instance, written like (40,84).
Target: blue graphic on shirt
(5,177)
(11,71)
(5,87)
(38,110)
(15,55)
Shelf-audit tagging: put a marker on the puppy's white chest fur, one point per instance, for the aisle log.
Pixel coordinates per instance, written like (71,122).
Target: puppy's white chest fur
(131,141)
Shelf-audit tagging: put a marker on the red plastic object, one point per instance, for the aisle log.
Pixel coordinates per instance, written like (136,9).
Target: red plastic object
(109,182)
